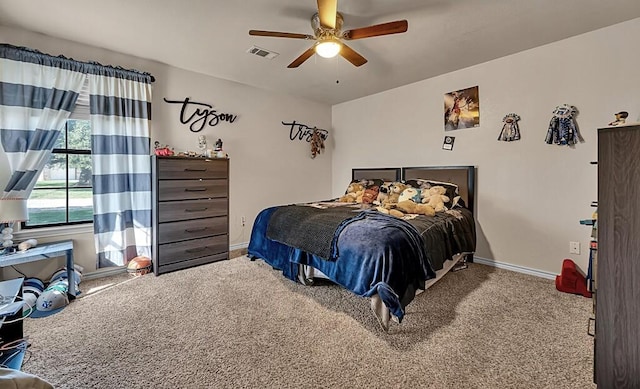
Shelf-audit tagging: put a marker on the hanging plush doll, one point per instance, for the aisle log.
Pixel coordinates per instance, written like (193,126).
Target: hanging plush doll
(510,130)
(563,129)
(317,143)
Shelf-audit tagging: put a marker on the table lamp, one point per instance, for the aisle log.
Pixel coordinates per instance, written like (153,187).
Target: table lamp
(11,211)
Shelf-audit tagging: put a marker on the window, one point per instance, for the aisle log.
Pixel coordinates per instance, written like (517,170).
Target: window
(63,193)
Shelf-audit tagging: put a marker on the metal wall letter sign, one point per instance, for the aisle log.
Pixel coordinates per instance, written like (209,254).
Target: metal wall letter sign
(304,132)
(200,116)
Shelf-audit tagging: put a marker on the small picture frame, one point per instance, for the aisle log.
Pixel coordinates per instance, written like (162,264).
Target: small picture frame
(447,144)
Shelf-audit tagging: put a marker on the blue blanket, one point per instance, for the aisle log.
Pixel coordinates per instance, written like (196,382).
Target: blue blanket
(370,253)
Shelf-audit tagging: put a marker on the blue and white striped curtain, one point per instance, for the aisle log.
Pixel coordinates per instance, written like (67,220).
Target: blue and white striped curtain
(37,94)
(120,108)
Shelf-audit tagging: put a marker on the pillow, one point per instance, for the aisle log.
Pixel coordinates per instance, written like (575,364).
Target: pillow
(452,189)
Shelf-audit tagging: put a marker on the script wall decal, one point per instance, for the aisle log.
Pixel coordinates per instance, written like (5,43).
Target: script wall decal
(304,132)
(197,115)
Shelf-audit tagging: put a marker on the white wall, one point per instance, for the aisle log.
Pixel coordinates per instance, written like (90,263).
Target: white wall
(530,195)
(266,167)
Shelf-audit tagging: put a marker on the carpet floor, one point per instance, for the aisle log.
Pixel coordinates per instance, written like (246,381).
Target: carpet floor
(241,324)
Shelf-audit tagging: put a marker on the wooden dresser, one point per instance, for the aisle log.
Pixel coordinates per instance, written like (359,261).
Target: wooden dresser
(617,339)
(190,212)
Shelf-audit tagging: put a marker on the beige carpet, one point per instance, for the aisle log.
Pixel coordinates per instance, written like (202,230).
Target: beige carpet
(240,324)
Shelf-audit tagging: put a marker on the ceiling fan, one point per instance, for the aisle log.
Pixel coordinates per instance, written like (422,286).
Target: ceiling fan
(329,37)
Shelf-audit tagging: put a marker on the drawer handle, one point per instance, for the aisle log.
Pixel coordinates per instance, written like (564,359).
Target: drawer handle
(196,209)
(195,189)
(195,229)
(195,170)
(198,249)
(589,327)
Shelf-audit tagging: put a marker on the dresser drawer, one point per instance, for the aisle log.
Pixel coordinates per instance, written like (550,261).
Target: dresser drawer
(169,211)
(191,189)
(191,229)
(181,169)
(192,262)
(190,249)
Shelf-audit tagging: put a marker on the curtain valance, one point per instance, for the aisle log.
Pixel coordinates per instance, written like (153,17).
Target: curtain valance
(25,54)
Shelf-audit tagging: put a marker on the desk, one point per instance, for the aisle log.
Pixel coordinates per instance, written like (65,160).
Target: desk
(46,251)
(12,330)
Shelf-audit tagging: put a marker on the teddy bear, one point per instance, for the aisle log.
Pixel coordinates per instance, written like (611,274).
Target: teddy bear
(409,206)
(354,190)
(370,194)
(435,197)
(392,212)
(394,194)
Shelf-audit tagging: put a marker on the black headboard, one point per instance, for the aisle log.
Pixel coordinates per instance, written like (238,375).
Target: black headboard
(463,176)
(385,173)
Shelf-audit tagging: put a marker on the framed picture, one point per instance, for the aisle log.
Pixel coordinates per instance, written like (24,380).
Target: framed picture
(448,143)
(462,109)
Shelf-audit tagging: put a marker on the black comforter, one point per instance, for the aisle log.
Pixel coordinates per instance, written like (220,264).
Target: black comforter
(363,250)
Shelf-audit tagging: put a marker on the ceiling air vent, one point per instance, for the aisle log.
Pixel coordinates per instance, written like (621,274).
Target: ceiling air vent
(264,53)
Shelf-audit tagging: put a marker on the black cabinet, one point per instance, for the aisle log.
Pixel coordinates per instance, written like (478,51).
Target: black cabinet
(617,340)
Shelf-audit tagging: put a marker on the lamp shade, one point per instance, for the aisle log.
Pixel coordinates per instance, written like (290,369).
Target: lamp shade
(328,48)
(13,210)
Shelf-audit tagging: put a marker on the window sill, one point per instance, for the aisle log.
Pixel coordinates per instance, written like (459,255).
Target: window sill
(48,232)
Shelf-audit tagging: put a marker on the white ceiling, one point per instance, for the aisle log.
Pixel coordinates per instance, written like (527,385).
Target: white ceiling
(211,36)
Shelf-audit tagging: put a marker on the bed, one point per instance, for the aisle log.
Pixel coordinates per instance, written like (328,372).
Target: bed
(388,259)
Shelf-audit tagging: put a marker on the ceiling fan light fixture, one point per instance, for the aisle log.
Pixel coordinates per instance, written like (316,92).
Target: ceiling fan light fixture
(328,48)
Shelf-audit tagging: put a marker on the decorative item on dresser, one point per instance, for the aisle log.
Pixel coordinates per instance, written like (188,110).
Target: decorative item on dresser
(617,345)
(190,212)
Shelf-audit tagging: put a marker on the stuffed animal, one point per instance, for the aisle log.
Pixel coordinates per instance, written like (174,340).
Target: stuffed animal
(394,194)
(410,194)
(392,212)
(408,206)
(370,194)
(354,191)
(435,197)
(383,193)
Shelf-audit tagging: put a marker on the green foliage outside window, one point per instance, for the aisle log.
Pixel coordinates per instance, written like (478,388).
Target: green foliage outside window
(63,193)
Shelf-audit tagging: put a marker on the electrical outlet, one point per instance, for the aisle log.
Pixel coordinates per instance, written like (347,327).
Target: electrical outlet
(574,247)
(243,221)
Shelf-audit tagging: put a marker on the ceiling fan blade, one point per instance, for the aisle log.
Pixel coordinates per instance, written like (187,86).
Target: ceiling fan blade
(327,10)
(280,34)
(303,57)
(396,27)
(352,56)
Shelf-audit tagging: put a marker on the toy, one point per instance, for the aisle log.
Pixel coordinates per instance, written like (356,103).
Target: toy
(621,118)
(436,198)
(163,151)
(370,194)
(408,206)
(202,144)
(354,190)
(572,279)
(394,194)
(411,193)
(383,193)
(392,212)
(218,152)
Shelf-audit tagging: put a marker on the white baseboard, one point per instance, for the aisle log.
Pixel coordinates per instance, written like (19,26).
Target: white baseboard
(239,246)
(104,272)
(516,268)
